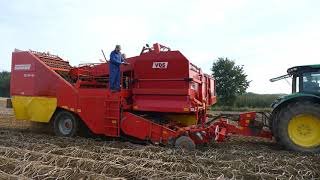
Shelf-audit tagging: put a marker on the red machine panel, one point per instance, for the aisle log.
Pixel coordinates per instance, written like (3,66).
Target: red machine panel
(32,77)
(167,82)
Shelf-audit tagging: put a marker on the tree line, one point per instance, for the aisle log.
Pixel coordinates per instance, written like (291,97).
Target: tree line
(231,86)
(252,100)
(5,84)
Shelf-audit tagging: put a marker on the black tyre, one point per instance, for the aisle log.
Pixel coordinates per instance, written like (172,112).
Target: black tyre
(184,142)
(298,127)
(9,103)
(84,131)
(274,125)
(65,124)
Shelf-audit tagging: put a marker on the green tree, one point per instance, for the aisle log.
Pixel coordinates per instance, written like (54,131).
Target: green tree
(4,84)
(231,80)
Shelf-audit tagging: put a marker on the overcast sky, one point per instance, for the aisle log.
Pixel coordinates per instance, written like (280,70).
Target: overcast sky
(266,36)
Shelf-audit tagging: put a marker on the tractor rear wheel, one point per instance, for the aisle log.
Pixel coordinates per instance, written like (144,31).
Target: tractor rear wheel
(274,125)
(184,142)
(65,124)
(298,127)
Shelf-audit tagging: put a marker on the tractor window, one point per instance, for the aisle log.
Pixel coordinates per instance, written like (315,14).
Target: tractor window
(311,82)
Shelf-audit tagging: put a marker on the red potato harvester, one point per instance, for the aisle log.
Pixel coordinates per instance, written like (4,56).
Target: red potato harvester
(163,99)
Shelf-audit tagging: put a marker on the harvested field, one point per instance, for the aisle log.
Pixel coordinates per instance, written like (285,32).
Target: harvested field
(26,152)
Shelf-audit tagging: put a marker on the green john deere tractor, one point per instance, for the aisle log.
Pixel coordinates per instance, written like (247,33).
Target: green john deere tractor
(295,119)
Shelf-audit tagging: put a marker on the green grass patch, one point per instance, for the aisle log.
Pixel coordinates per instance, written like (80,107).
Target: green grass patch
(250,102)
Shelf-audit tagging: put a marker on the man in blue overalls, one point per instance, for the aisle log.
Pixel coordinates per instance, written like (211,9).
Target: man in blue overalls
(116,59)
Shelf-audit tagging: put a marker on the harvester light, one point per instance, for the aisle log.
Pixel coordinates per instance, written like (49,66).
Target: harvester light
(194,86)
(216,133)
(199,136)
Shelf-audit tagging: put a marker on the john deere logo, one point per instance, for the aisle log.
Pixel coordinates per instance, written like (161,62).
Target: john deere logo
(160,65)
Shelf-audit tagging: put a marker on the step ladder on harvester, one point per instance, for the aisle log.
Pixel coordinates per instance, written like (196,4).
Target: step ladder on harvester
(112,116)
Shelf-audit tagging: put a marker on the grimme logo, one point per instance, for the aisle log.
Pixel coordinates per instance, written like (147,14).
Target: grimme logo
(160,65)
(21,67)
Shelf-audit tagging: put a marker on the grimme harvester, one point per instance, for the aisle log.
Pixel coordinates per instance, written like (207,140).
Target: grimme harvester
(163,99)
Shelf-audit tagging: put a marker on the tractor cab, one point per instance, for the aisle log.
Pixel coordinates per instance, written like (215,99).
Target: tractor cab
(305,79)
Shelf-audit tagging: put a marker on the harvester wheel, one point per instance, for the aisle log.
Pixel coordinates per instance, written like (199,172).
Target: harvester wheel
(299,127)
(84,131)
(65,124)
(185,142)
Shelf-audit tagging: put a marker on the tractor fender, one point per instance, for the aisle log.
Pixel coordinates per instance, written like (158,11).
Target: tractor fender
(285,100)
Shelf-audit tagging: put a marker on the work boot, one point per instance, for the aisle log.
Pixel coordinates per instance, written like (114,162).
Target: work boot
(113,90)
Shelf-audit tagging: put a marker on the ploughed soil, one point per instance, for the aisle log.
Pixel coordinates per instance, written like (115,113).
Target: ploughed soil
(30,151)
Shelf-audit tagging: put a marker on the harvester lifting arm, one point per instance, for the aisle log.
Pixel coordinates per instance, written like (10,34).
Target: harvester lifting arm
(104,55)
(280,78)
(165,47)
(156,48)
(247,125)
(144,48)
